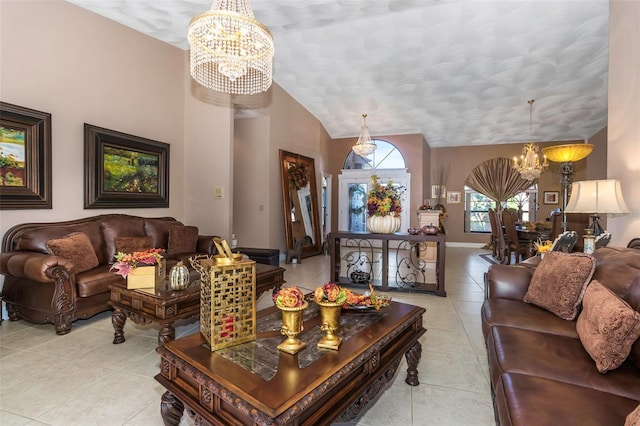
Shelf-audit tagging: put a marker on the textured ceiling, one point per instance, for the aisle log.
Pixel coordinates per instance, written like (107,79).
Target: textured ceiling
(458,71)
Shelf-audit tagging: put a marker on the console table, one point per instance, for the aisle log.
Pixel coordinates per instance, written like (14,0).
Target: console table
(255,384)
(410,265)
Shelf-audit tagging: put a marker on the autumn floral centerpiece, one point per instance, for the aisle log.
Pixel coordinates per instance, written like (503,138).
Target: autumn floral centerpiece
(127,262)
(289,297)
(330,293)
(384,206)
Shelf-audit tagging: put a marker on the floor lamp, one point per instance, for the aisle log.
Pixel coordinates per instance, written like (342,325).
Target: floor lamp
(567,155)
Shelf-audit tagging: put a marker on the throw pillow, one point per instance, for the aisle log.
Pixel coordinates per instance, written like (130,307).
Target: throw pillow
(133,244)
(607,327)
(559,282)
(633,419)
(77,248)
(183,239)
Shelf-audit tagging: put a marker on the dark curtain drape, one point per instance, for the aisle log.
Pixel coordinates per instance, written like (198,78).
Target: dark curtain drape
(497,179)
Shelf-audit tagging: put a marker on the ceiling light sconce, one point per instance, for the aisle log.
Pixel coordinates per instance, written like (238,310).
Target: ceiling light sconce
(597,196)
(567,155)
(365,146)
(231,52)
(529,164)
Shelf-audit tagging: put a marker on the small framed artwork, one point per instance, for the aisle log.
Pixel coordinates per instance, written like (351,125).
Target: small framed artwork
(25,158)
(124,171)
(453,197)
(438,191)
(551,197)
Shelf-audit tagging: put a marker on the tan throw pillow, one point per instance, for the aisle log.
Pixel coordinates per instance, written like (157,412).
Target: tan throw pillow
(559,283)
(607,327)
(183,239)
(77,248)
(132,244)
(633,419)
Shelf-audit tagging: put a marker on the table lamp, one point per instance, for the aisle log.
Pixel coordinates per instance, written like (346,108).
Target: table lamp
(597,196)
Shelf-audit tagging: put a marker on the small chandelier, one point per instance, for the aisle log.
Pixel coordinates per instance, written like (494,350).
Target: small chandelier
(529,164)
(231,52)
(365,146)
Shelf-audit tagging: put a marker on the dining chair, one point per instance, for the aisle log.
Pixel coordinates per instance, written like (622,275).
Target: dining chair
(514,245)
(575,222)
(497,236)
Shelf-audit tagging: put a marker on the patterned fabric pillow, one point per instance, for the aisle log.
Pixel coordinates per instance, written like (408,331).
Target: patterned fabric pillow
(183,239)
(559,283)
(77,248)
(607,327)
(132,244)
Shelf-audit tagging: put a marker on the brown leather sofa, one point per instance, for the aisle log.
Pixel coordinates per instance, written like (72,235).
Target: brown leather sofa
(540,372)
(41,288)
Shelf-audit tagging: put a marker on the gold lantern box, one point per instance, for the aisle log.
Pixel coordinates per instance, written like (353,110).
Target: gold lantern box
(146,276)
(227,301)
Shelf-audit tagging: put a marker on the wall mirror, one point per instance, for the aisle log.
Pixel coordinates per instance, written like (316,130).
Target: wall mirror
(300,203)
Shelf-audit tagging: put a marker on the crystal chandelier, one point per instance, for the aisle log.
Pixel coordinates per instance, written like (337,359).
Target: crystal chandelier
(365,146)
(529,164)
(231,52)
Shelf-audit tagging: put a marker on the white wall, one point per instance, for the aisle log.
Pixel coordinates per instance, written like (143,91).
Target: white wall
(623,161)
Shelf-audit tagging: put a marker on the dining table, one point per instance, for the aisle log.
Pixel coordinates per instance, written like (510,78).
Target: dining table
(532,235)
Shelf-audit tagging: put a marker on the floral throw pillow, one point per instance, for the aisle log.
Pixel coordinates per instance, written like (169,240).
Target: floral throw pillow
(559,283)
(607,327)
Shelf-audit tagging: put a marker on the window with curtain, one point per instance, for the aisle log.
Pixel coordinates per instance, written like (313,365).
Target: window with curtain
(477,205)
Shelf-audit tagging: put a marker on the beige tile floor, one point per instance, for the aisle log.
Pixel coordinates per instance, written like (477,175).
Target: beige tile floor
(83,379)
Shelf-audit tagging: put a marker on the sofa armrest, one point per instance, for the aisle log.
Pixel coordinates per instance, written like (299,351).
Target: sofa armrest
(34,266)
(509,281)
(205,244)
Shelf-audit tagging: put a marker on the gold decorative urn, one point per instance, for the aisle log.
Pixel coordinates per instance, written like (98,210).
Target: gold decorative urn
(291,327)
(330,324)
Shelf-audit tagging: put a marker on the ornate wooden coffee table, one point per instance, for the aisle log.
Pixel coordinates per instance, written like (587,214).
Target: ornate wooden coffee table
(165,306)
(254,384)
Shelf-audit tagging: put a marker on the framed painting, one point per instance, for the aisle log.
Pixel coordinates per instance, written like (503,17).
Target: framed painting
(453,197)
(438,191)
(25,158)
(551,197)
(124,171)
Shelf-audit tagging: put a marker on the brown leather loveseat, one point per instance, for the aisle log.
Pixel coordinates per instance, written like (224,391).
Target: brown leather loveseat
(541,373)
(43,288)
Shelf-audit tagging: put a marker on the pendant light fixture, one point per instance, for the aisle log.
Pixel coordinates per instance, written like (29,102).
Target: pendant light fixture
(365,146)
(231,52)
(529,163)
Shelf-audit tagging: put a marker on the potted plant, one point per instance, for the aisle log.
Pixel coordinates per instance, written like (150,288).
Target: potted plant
(384,207)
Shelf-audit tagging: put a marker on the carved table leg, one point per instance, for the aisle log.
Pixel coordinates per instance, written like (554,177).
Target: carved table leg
(171,409)
(167,333)
(118,318)
(413,358)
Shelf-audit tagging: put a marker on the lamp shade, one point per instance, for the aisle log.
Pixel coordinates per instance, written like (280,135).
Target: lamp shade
(597,196)
(568,153)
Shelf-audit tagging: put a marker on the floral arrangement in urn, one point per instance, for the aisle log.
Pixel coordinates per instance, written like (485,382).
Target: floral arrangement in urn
(330,293)
(384,200)
(125,263)
(289,297)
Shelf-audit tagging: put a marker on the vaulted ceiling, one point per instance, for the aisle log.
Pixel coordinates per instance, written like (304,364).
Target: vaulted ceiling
(460,72)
